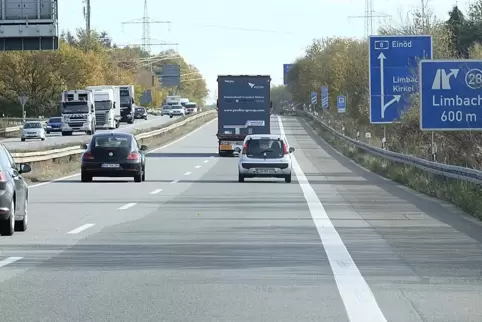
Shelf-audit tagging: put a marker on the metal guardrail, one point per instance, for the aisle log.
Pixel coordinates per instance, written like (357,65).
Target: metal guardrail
(37,156)
(449,171)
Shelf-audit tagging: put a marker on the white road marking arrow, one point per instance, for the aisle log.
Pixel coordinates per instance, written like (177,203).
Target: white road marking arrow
(396,98)
(382,57)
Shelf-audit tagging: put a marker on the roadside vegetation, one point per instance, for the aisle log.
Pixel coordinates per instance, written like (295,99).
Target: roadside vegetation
(84,60)
(342,65)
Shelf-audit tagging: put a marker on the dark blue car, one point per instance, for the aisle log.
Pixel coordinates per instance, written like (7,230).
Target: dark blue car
(54,124)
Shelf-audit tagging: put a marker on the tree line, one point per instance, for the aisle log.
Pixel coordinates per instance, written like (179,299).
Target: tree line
(87,60)
(342,65)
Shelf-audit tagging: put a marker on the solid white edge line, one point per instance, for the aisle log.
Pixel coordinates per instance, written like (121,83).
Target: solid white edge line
(155,192)
(127,206)
(156,149)
(187,173)
(358,299)
(9,260)
(80,229)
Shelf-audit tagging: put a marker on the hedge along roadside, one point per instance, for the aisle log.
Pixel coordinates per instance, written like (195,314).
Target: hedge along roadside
(47,165)
(464,194)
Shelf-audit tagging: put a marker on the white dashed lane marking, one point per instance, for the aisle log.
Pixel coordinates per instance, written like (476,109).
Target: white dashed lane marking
(155,192)
(80,229)
(127,206)
(9,260)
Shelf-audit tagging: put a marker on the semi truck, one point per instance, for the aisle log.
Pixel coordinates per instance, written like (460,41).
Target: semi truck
(243,106)
(107,106)
(78,112)
(127,103)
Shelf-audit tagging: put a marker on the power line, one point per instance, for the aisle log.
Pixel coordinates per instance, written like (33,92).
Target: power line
(370,13)
(146,34)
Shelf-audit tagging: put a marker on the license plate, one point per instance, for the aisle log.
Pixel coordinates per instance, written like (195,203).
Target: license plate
(225,147)
(110,165)
(265,171)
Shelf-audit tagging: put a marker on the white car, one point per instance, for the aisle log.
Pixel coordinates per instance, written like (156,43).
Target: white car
(177,110)
(265,156)
(33,130)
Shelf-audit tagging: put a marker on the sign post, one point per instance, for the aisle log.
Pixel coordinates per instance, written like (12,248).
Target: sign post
(314,98)
(324,97)
(170,76)
(450,95)
(341,103)
(393,62)
(23,99)
(286,70)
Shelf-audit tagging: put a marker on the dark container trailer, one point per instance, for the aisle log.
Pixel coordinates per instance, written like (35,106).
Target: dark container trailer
(29,25)
(243,106)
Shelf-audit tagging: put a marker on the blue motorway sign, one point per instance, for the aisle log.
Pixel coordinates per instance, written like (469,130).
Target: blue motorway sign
(286,70)
(314,98)
(393,75)
(341,103)
(450,95)
(324,97)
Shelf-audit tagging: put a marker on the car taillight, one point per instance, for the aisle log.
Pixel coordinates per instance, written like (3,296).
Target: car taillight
(133,156)
(3,178)
(245,148)
(285,149)
(88,156)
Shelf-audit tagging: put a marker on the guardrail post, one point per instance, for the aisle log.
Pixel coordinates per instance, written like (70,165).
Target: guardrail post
(358,136)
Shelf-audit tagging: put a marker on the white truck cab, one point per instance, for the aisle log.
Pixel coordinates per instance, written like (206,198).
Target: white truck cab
(78,112)
(107,106)
(173,100)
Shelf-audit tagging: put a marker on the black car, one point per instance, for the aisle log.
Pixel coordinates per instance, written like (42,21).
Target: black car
(140,113)
(13,194)
(54,124)
(114,154)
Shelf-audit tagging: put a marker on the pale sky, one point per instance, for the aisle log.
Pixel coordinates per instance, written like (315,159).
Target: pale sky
(242,37)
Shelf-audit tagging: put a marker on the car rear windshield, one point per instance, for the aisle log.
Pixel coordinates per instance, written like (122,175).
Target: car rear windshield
(140,109)
(265,148)
(55,120)
(111,141)
(32,126)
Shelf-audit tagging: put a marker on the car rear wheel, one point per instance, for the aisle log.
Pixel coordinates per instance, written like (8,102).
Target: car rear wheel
(21,225)
(240,177)
(138,178)
(144,174)
(288,178)
(8,226)
(84,177)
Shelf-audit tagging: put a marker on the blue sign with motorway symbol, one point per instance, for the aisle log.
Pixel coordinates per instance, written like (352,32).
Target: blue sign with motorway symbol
(450,95)
(341,103)
(324,97)
(393,74)
(314,98)
(286,70)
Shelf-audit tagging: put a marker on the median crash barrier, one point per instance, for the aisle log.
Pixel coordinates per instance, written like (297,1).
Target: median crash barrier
(57,162)
(458,185)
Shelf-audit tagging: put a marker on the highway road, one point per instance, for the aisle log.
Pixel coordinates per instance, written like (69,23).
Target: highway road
(54,139)
(192,244)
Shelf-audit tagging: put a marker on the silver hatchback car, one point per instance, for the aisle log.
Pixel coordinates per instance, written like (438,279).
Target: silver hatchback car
(265,156)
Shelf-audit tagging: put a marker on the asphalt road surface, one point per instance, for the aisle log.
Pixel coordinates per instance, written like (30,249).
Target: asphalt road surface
(54,139)
(193,244)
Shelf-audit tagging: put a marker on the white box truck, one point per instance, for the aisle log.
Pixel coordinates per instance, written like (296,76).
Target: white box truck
(107,106)
(78,112)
